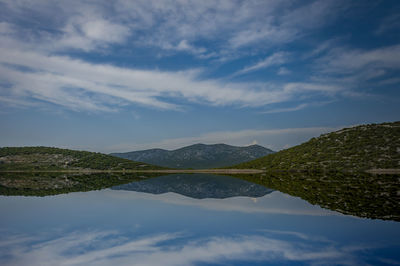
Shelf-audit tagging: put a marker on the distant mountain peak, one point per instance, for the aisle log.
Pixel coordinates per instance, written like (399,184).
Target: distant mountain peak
(198,156)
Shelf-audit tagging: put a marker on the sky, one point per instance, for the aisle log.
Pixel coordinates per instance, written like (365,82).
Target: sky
(115,76)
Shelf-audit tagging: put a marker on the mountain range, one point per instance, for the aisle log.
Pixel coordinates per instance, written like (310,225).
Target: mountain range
(197,156)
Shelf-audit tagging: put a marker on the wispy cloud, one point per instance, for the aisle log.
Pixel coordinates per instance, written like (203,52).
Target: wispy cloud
(288,109)
(296,108)
(275,59)
(228,24)
(361,70)
(89,32)
(37,38)
(341,60)
(80,85)
(390,23)
(283,71)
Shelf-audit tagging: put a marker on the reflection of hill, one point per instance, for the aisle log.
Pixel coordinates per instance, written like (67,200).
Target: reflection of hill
(44,184)
(363,195)
(198,186)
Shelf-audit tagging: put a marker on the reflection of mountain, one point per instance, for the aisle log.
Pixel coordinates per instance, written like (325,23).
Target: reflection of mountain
(198,186)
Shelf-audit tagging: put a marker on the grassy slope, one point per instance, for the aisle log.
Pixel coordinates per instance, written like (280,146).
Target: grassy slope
(357,149)
(46,158)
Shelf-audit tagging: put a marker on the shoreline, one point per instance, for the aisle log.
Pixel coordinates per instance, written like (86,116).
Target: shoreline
(166,171)
(383,171)
(190,171)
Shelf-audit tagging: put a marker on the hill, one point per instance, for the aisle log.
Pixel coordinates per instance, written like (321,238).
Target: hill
(373,146)
(46,158)
(197,156)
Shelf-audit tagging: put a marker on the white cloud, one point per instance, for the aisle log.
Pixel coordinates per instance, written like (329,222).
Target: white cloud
(356,69)
(389,23)
(342,60)
(185,26)
(275,59)
(80,85)
(272,34)
(314,14)
(289,109)
(283,23)
(88,32)
(6,28)
(254,142)
(283,71)
(164,24)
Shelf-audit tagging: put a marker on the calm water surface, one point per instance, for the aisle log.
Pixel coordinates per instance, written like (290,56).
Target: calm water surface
(188,220)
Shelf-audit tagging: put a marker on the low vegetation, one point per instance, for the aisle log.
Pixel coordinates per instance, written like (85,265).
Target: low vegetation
(46,158)
(374,146)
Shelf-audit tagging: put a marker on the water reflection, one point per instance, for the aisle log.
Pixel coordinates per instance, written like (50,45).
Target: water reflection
(117,227)
(53,183)
(198,186)
(114,248)
(359,194)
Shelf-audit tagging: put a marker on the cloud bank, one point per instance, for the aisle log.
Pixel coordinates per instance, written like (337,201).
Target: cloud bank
(47,58)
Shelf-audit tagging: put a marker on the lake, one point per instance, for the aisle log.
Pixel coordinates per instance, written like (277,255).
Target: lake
(205,220)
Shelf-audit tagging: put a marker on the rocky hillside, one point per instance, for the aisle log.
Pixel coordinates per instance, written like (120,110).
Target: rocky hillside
(374,146)
(46,158)
(198,156)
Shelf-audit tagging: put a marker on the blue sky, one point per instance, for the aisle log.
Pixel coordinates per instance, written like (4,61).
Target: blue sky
(125,75)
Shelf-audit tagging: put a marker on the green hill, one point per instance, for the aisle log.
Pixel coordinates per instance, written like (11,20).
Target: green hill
(46,158)
(360,148)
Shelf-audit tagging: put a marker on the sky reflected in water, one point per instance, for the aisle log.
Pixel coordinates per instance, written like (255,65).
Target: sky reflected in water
(118,227)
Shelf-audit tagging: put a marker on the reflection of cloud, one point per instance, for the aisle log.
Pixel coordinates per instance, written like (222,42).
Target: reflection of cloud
(110,248)
(274,203)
